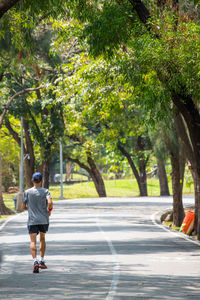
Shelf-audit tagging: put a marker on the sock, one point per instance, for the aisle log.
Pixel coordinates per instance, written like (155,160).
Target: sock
(35,259)
(42,259)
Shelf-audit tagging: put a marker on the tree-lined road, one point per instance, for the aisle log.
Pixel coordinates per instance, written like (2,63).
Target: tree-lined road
(102,249)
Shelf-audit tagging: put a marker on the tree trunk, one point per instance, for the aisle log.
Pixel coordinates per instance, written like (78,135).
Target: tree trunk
(141,185)
(177,186)
(141,10)
(96,177)
(191,115)
(196,180)
(188,148)
(46,173)
(28,150)
(29,170)
(94,173)
(92,170)
(185,105)
(4,210)
(29,156)
(162,176)
(69,168)
(52,174)
(177,156)
(143,176)
(197,201)
(142,162)
(5,5)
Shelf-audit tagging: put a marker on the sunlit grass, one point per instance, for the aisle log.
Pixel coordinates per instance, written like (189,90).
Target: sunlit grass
(8,200)
(114,188)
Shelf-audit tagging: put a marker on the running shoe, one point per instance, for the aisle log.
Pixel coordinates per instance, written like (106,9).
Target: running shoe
(36,267)
(42,265)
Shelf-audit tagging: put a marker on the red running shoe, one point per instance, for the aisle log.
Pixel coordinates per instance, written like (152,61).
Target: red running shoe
(42,265)
(36,267)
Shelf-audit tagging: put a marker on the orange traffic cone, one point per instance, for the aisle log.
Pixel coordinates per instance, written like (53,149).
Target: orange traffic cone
(188,223)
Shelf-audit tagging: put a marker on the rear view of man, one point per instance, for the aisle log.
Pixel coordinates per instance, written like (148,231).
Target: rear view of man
(39,203)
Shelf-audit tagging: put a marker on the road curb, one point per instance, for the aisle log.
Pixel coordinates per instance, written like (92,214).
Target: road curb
(156,220)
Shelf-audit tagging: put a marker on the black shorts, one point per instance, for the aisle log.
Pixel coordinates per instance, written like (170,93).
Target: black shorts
(38,228)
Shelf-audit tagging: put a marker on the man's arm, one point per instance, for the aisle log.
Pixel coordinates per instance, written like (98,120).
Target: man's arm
(24,201)
(24,207)
(50,205)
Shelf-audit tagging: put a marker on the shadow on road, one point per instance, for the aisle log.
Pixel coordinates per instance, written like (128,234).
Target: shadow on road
(81,265)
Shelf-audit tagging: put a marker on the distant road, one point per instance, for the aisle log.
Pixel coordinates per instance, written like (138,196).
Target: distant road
(108,248)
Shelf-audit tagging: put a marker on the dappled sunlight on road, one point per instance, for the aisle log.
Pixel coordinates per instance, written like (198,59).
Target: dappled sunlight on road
(101,249)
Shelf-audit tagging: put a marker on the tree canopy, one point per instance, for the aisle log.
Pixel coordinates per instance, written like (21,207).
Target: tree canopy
(103,75)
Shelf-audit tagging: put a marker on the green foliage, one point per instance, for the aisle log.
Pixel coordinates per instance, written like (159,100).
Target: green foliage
(42,109)
(157,137)
(109,30)
(49,7)
(101,110)
(43,43)
(16,30)
(103,102)
(10,157)
(173,57)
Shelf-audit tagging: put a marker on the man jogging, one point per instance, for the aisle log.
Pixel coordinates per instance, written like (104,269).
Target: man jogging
(39,203)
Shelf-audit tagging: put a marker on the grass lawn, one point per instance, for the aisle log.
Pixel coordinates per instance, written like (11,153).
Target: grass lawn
(114,188)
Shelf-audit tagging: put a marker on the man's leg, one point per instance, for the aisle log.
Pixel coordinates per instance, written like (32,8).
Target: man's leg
(42,244)
(42,250)
(33,248)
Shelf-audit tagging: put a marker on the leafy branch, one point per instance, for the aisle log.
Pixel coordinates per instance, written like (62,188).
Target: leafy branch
(6,108)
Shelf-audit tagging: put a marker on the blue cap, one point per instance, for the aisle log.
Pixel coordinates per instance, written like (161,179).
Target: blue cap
(37,177)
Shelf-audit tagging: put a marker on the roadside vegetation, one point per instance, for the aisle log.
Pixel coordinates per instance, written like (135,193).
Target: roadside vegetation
(116,83)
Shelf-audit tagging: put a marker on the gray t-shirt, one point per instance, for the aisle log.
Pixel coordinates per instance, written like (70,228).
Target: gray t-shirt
(36,201)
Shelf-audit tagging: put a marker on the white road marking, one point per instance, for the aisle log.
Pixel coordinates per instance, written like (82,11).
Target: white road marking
(8,220)
(115,279)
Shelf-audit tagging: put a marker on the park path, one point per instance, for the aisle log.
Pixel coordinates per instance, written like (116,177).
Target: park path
(108,249)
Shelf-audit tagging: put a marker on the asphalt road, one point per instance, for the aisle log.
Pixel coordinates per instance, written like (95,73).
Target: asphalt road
(108,249)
